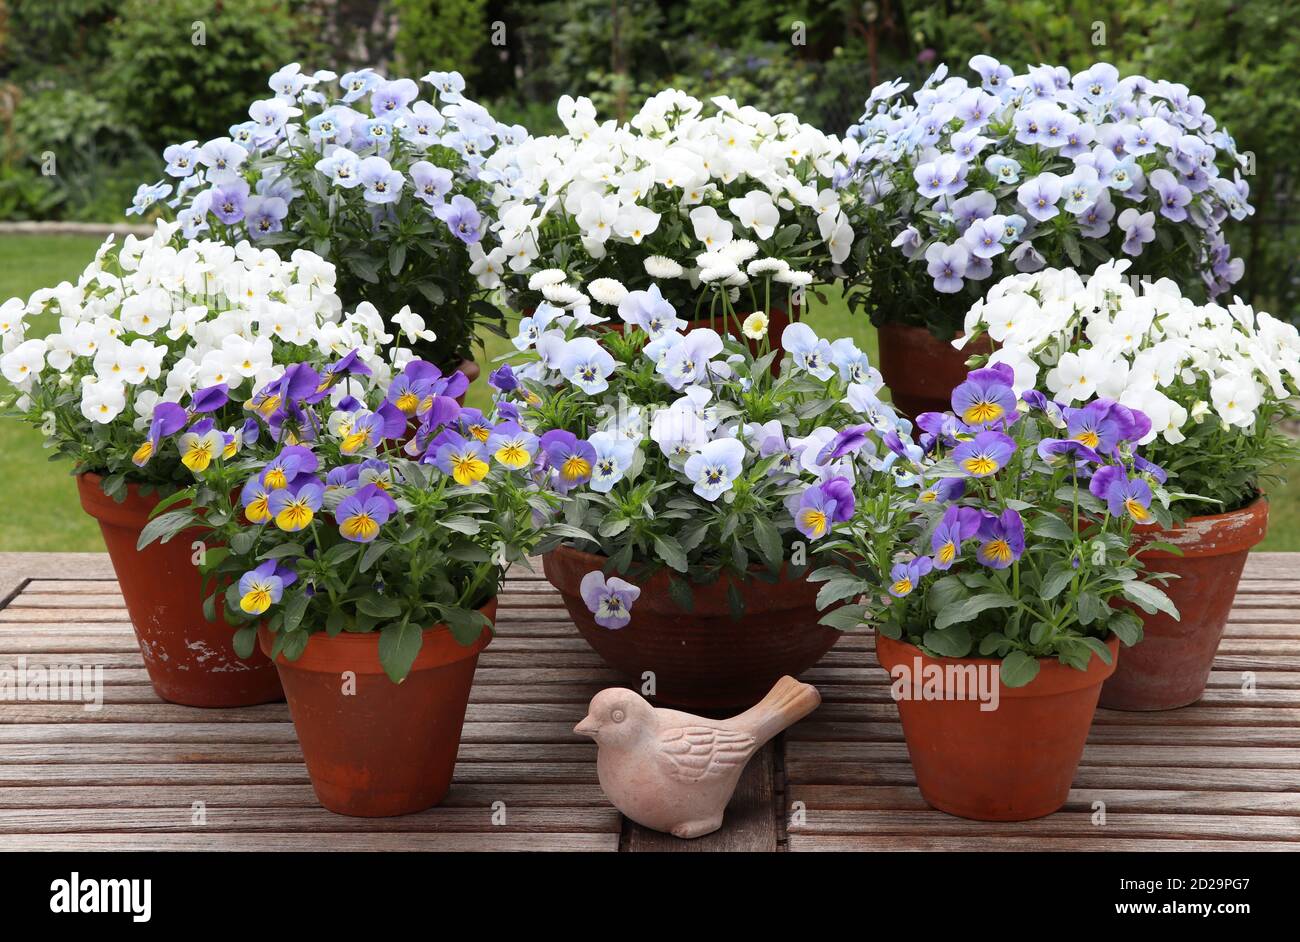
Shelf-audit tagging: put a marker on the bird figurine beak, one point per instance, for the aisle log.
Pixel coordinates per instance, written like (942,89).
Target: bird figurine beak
(588,727)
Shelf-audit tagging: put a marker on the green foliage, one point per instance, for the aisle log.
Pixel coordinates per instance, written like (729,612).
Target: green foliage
(40,38)
(1052,595)
(71,156)
(446,35)
(187,69)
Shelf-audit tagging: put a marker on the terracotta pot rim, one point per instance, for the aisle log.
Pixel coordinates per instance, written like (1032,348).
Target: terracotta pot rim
(915,331)
(1251,507)
(96,479)
(1053,676)
(1249,526)
(359,650)
(654,588)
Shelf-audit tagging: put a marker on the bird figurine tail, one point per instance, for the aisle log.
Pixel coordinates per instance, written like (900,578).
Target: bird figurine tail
(786,703)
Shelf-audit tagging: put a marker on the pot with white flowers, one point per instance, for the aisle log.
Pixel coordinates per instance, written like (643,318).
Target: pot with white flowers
(710,215)
(996,626)
(139,333)
(1217,384)
(699,487)
(361,170)
(366,562)
(1004,173)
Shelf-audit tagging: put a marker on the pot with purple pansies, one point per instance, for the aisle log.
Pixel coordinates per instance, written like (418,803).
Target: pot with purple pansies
(998,621)
(367,530)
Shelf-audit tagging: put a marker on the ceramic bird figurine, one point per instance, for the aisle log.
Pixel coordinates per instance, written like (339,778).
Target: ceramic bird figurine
(675,772)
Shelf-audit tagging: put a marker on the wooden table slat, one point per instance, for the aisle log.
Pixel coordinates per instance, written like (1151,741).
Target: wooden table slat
(1223,774)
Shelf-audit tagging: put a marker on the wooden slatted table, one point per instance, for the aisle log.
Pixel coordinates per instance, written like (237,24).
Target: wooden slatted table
(1223,774)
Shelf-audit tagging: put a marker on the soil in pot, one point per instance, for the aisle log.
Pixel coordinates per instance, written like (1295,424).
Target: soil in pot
(374,748)
(190,660)
(1012,762)
(1169,668)
(920,370)
(701,660)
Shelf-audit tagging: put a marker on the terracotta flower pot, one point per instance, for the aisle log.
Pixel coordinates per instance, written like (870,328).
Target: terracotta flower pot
(1171,665)
(702,659)
(777,321)
(1011,763)
(374,748)
(921,370)
(190,660)
(472,372)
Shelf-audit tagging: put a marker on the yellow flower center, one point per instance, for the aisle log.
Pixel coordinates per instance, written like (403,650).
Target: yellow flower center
(982,412)
(980,465)
(575,467)
(998,549)
(814,521)
(360,525)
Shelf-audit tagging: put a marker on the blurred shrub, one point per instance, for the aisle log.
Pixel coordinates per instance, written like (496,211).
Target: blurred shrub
(188,69)
(444,35)
(69,155)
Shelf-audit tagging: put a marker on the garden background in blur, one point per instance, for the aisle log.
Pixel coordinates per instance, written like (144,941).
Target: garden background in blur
(92,90)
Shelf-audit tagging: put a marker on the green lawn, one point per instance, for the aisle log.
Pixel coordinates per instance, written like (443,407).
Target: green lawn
(41,497)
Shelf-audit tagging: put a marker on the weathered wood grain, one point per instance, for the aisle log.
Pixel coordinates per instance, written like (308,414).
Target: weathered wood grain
(1223,774)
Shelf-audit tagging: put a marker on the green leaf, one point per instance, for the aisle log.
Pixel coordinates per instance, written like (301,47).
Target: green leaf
(1057,579)
(245,640)
(466,626)
(335,622)
(1052,528)
(1098,647)
(735,601)
(993,643)
(613,526)
(949,642)
(680,590)
(670,551)
(845,618)
(164,527)
(396,259)
(842,588)
(283,550)
(379,606)
(1163,547)
(373,553)
(242,542)
(967,609)
(769,541)
(1126,626)
(340,553)
(1150,599)
(1018,669)
(461,524)
(1091,608)
(399,644)
(294,608)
